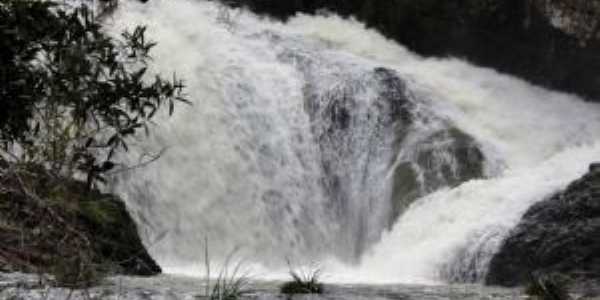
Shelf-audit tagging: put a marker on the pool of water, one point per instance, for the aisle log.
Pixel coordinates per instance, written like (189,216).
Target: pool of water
(21,287)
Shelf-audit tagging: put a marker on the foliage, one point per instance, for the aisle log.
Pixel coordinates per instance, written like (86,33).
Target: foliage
(39,236)
(230,284)
(304,281)
(70,95)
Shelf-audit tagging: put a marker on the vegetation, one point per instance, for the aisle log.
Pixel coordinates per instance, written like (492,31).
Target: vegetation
(56,226)
(70,95)
(304,281)
(71,98)
(230,284)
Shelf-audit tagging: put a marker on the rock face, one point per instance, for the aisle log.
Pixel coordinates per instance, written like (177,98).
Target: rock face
(554,43)
(380,147)
(54,225)
(115,235)
(356,123)
(558,235)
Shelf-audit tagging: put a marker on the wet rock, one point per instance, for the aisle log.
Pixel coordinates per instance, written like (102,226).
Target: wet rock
(595,167)
(115,235)
(558,235)
(359,122)
(445,157)
(369,126)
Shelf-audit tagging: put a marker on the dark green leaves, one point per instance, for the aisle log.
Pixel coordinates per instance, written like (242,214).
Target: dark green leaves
(81,91)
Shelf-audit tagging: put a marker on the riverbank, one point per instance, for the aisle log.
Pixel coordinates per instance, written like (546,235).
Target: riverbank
(180,288)
(54,225)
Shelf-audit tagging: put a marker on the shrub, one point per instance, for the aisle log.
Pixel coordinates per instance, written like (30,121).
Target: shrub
(70,95)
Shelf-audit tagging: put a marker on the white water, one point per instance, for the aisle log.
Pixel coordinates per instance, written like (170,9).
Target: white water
(243,168)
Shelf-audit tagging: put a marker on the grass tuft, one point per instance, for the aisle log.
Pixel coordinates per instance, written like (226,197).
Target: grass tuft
(231,283)
(304,281)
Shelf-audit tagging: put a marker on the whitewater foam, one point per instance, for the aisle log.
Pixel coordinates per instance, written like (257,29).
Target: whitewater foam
(242,170)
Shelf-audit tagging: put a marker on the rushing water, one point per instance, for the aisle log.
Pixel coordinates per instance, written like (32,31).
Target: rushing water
(318,140)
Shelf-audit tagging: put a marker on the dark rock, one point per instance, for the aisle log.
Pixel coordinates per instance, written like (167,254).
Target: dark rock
(353,136)
(512,36)
(115,234)
(558,235)
(463,161)
(357,137)
(61,227)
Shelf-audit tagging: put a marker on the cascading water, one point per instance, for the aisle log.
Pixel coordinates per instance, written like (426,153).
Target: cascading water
(318,139)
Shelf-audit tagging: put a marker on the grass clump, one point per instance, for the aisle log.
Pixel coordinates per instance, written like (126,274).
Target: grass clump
(550,287)
(230,284)
(304,281)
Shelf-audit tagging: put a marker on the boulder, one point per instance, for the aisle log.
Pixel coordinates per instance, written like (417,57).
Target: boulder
(558,235)
(56,225)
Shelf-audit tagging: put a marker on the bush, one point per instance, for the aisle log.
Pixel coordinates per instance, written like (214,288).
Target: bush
(71,96)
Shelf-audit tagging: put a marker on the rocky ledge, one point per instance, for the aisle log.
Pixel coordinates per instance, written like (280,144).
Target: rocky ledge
(554,43)
(57,226)
(560,235)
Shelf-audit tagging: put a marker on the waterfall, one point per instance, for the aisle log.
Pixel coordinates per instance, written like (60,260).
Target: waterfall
(320,140)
